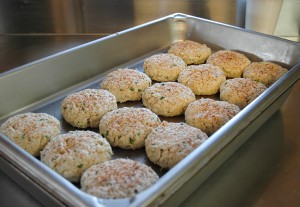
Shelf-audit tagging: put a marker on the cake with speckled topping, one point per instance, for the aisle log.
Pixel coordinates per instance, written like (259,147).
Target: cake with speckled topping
(126,84)
(209,115)
(202,79)
(169,143)
(264,72)
(128,127)
(120,178)
(72,153)
(191,52)
(85,108)
(241,91)
(168,98)
(31,131)
(231,62)
(164,67)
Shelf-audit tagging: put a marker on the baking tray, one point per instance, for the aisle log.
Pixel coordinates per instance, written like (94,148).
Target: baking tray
(41,85)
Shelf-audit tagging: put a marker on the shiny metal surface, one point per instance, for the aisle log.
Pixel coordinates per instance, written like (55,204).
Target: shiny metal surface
(31,30)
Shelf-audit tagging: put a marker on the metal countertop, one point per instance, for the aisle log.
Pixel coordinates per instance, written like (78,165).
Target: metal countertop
(265,171)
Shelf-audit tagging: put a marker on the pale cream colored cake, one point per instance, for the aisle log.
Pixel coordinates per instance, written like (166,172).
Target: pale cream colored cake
(202,79)
(120,178)
(209,115)
(241,91)
(190,51)
(128,127)
(72,153)
(169,143)
(168,98)
(264,72)
(163,67)
(126,84)
(85,108)
(31,131)
(231,62)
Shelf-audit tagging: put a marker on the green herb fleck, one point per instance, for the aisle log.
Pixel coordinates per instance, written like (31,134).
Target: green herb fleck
(80,165)
(161,98)
(140,90)
(131,140)
(106,134)
(48,136)
(132,89)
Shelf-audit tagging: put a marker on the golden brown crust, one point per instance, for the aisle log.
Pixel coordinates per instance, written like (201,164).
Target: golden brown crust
(202,79)
(241,91)
(120,178)
(265,72)
(163,67)
(72,153)
(190,51)
(128,127)
(85,108)
(231,62)
(31,131)
(169,143)
(168,98)
(209,115)
(126,84)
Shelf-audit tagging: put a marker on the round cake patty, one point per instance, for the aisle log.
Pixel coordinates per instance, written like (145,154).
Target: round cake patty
(209,115)
(85,108)
(120,178)
(231,62)
(265,72)
(72,153)
(126,84)
(128,128)
(31,131)
(190,51)
(202,79)
(241,91)
(168,98)
(169,143)
(164,67)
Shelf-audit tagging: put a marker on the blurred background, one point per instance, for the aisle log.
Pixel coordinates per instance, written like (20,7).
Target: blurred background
(52,25)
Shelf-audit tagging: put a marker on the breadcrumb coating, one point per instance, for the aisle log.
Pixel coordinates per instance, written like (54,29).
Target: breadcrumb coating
(241,91)
(85,108)
(190,51)
(209,115)
(126,84)
(72,153)
(168,98)
(202,79)
(164,67)
(265,72)
(169,143)
(31,131)
(128,128)
(120,178)
(231,62)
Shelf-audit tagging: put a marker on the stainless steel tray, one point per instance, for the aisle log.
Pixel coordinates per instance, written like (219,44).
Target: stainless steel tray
(40,86)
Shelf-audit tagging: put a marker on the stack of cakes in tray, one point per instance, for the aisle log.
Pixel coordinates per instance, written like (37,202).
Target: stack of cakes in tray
(205,89)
